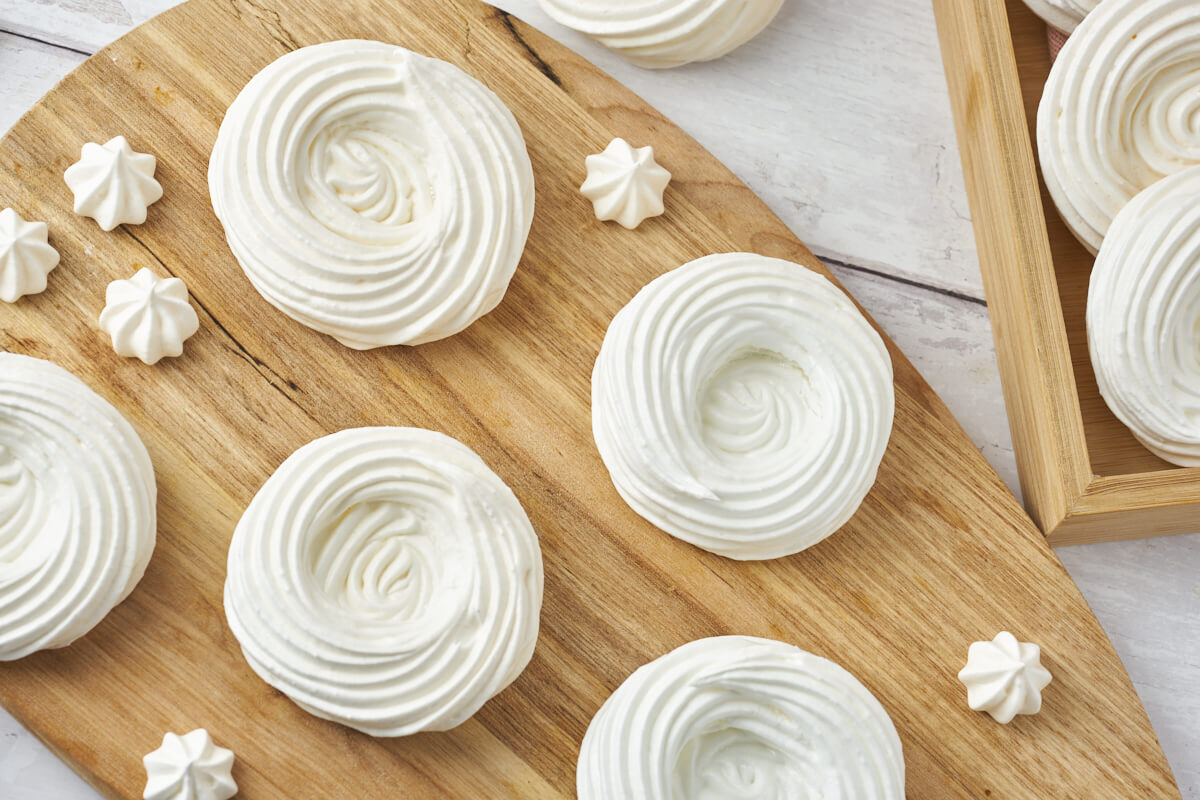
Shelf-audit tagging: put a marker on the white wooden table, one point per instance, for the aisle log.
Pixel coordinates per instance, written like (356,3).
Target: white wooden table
(838,117)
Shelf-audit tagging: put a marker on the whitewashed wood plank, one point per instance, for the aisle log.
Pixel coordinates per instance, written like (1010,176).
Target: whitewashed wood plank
(1146,594)
(29,70)
(79,24)
(837,116)
(28,771)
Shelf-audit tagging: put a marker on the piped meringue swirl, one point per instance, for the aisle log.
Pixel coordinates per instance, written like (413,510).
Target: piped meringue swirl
(372,193)
(737,716)
(77,507)
(743,404)
(658,34)
(1143,317)
(1062,14)
(386,579)
(1121,109)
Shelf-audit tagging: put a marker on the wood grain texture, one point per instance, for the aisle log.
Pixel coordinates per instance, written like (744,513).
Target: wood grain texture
(845,103)
(939,555)
(1083,475)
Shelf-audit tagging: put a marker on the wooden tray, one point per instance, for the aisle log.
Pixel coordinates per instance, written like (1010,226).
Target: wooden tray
(1084,476)
(939,555)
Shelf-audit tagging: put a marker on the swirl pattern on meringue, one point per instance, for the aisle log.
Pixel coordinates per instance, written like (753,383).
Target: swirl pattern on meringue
(659,34)
(1062,14)
(737,716)
(1121,109)
(1143,318)
(372,193)
(743,404)
(386,579)
(77,507)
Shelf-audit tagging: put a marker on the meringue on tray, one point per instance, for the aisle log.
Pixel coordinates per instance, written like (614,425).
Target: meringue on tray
(385,579)
(372,193)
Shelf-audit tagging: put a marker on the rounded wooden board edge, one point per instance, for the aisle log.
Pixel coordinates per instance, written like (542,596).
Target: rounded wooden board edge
(703,182)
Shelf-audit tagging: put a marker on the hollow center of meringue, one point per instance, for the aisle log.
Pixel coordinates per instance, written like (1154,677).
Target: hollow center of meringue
(1164,126)
(376,560)
(757,405)
(25,535)
(368,166)
(727,762)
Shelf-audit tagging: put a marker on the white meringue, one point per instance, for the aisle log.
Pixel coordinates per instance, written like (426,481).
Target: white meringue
(148,317)
(1004,677)
(77,507)
(26,257)
(736,716)
(743,404)
(1121,109)
(112,184)
(625,184)
(666,33)
(386,579)
(1143,317)
(372,193)
(1062,14)
(189,767)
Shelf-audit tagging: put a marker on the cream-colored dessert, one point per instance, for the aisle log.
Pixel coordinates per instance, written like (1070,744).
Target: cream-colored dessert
(625,184)
(77,507)
(734,717)
(148,317)
(1004,677)
(113,184)
(386,579)
(189,767)
(666,33)
(26,257)
(1062,14)
(743,404)
(1143,317)
(372,193)
(1119,110)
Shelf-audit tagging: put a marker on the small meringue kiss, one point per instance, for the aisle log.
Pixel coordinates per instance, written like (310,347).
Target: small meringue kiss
(1004,677)
(113,184)
(625,184)
(26,258)
(148,317)
(189,767)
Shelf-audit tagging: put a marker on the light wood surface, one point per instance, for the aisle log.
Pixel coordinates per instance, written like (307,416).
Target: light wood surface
(887,633)
(1084,476)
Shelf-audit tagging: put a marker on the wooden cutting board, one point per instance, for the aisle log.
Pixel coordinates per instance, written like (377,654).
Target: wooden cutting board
(939,555)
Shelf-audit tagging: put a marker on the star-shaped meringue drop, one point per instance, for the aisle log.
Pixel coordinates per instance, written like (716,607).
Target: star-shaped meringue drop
(189,767)
(26,257)
(625,184)
(113,184)
(1004,677)
(148,316)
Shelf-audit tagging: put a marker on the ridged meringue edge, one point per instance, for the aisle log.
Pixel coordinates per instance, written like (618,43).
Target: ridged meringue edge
(78,499)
